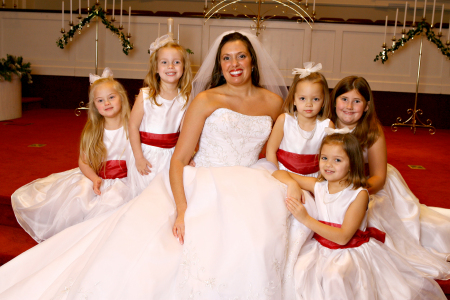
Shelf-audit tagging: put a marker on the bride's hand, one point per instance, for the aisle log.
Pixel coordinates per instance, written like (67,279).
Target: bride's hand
(178,228)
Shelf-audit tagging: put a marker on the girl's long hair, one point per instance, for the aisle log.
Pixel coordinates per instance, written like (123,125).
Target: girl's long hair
(368,129)
(152,80)
(92,149)
(353,149)
(316,77)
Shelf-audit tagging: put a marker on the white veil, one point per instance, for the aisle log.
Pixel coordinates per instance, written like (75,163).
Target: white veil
(270,76)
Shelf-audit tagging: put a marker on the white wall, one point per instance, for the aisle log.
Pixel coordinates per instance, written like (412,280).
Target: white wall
(343,49)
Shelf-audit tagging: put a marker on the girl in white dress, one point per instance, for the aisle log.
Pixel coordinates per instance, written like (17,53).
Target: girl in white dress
(419,234)
(157,113)
(48,205)
(346,259)
(295,139)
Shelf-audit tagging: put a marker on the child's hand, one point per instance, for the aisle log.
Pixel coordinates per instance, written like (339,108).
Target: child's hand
(295,191)
(297,209)
(143,166)
(191,162)
(97,183)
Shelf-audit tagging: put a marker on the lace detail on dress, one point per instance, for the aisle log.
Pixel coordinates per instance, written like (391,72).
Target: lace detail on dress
(232,139)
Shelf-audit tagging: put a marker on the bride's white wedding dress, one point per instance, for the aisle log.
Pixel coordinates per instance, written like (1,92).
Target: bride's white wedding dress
(236,243)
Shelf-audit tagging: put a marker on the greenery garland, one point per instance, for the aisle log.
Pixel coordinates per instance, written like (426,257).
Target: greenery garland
(421,27)
(100,13)
(14,65)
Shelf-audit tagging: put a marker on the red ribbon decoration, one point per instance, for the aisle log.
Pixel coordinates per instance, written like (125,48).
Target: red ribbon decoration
(159,140)
(113,169)
(299,163)
(359,238)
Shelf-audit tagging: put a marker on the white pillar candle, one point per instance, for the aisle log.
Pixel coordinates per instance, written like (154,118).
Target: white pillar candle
(385,29)
(79,7)
(121,8)
(414,16)
(306,3)
(178,34)
(114,7)
(170,26)
(88,4)
(442,18)
(448,34)
(106,5)
(129,19)
(424,9)
(62,24)
(432,16)
(71,20)
(159,29)
(206,3)
(404,18)
(395,26)
(314,5)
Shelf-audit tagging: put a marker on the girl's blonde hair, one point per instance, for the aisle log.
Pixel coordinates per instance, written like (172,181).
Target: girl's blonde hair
(353,149)
(368,129)
(92,149)
(152,80)
(316,77)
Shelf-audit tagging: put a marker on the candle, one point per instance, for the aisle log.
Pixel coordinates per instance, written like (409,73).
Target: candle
(442,18)
(178,33)
(404,18)
(159,29)
(314,5)
(129,19)
(385,29)
(448,34)
(106,5)
(88,4)
(206,3)
(63,13)
(121,7)
(396,17)
(432,15)
(79,7)
(424,9)
(414,16)
(170,26)
(114,6)
(71,20)
(306,3)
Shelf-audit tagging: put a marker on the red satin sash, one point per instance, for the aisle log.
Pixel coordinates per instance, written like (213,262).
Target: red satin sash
(299,163)
(360,237)
(113,169)
(159,140)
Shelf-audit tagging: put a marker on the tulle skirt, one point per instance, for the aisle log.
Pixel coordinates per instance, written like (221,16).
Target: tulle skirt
(159,158)
(236,243)
(416,232)
(48,205)
(370,271)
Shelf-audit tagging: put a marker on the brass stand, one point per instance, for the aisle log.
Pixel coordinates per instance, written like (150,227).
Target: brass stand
(414,118)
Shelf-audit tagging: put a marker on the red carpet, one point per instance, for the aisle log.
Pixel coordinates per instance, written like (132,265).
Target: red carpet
(60,131)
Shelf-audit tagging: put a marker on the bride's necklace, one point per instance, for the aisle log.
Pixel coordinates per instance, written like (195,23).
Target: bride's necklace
(311,135)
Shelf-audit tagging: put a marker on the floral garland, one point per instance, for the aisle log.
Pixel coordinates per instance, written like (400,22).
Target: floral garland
(421,27)
(14,65)
(95,12)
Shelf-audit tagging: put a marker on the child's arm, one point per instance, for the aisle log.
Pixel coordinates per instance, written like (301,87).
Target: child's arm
(275,140)
(295,184)
(331,125)
(352,220)
(137,113)
(89,173)
(377,156)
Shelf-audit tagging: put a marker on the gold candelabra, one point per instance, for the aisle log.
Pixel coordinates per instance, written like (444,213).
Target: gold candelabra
(413,121)
(294,7)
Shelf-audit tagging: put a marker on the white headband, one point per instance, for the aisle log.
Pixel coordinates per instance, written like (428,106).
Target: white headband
(106,73)
(160,42)
(307,70)
(330,131)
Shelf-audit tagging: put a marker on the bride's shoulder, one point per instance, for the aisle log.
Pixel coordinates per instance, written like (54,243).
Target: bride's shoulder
(206,102)
(272,101)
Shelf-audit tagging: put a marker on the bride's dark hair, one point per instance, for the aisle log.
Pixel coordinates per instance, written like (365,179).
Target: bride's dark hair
(216,77)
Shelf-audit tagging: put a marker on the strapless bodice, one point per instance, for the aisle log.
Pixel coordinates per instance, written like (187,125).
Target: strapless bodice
(230,138)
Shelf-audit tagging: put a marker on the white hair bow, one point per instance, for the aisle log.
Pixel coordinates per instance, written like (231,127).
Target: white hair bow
(160,42)
(309,68)
(344,130)
(106,73)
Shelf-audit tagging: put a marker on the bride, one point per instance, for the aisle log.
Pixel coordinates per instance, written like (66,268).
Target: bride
(216,231)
